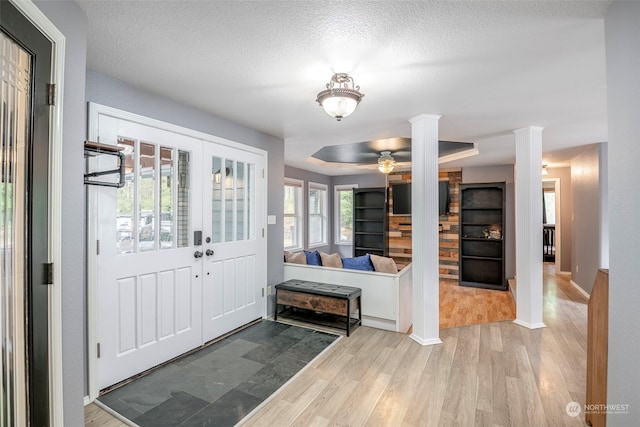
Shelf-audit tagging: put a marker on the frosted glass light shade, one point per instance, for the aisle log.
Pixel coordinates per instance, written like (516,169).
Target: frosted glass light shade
(339,106)
(341,97)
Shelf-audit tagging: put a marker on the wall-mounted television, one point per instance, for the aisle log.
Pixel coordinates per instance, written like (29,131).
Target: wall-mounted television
(402,198)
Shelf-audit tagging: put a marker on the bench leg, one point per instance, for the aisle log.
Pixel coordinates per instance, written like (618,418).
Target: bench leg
(348,316)
(275,314)
(360,310)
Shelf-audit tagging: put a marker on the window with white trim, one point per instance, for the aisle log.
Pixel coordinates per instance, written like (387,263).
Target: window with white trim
(318,215)
(293,215)
(343,213)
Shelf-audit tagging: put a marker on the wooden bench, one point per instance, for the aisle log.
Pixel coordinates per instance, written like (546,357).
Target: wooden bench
(320,297)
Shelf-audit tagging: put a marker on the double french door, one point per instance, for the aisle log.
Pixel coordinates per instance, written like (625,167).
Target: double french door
(181,250)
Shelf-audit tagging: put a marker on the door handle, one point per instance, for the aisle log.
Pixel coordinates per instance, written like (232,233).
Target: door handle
(197,254)
(209,252)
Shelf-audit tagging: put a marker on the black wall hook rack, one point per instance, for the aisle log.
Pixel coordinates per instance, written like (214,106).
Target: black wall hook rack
(91,149)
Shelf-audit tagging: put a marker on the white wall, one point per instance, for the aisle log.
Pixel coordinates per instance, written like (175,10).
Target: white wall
(622,34)
(585,184)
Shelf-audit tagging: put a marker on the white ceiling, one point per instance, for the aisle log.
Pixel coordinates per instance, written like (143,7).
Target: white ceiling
(488,67)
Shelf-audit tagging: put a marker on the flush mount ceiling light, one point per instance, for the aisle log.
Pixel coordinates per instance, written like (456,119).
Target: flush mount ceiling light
(386,163)
(341,97)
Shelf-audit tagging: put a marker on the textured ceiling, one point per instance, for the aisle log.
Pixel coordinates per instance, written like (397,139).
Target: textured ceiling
(487,67)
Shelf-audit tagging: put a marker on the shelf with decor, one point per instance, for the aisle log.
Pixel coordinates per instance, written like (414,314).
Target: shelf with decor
(481,235)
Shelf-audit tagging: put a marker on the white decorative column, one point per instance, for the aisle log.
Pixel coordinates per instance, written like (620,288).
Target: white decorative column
(529,227)
(424,233)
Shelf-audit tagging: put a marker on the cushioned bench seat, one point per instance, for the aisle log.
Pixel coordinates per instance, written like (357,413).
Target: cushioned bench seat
(320,297)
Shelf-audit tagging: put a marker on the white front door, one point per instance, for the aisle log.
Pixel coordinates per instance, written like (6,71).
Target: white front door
(233,265)
(181,260)
(149,283)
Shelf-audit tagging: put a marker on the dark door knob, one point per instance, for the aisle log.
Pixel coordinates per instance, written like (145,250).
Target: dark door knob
(197,254)
(209,252)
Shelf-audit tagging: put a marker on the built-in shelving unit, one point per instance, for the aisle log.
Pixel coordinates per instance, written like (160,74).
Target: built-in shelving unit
(482,235)
(370,221)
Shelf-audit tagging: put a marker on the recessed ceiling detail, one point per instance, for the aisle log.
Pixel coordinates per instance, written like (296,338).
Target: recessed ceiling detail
(366,154)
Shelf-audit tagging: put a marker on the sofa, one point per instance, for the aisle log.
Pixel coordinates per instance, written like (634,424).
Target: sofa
(386,296)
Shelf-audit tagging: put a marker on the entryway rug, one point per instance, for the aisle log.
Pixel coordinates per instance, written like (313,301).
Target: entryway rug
(222,383)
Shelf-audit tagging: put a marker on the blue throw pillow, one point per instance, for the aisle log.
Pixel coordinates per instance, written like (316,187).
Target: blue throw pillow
(358,263)
(313,258)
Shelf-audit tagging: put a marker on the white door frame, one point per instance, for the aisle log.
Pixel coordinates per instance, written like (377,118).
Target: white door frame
(46,27)
(558,255)
(96,110)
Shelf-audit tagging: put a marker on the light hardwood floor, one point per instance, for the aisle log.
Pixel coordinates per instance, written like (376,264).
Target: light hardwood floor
(462,306)
(487,374)
(96,416)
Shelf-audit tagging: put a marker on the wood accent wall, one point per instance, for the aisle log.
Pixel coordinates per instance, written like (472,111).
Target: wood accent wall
(399,231)
(400,226)
(450,227)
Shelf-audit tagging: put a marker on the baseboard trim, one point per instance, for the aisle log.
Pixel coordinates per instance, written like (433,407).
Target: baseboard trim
(423,342)
(579,289)
(87,400)
(530,325)
(563,272)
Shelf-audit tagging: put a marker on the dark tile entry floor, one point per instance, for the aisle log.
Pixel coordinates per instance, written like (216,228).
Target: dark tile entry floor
(222,383)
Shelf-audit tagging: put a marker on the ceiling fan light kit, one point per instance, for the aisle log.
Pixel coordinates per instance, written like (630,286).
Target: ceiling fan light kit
(386,163)
(341,97)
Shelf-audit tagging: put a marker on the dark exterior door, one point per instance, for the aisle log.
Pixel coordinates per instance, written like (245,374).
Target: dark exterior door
(25,172)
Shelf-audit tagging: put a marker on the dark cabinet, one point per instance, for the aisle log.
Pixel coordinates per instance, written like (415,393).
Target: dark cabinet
(482,235)
(370,221)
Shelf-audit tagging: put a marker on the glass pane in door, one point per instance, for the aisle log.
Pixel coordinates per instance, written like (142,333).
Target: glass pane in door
(217,214)
(126,200)
(251,221)
(240,201)
(14,125)
(183,206)
(229,201)
(166,198)
(147,196)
